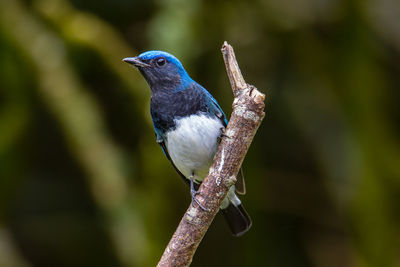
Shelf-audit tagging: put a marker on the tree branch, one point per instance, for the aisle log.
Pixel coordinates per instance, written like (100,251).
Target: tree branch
(247,114)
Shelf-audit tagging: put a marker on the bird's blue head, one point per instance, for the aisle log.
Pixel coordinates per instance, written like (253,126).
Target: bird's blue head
(161,70)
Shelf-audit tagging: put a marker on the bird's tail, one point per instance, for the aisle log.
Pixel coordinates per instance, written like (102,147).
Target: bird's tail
(235,215)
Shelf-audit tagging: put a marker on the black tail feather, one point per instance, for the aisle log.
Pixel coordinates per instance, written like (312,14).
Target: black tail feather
(237,218)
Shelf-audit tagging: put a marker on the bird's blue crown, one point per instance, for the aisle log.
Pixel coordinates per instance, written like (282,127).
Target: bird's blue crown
(185,78)
(149,55)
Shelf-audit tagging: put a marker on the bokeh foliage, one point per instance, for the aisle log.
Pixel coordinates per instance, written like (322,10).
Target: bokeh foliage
(83,183)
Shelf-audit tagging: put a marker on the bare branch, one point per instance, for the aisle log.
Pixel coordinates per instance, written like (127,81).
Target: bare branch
(248,112)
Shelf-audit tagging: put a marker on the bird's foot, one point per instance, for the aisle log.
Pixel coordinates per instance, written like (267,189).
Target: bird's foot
(222,134)
(193,193)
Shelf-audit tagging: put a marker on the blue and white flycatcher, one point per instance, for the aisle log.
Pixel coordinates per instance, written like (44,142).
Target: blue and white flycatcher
(188,123)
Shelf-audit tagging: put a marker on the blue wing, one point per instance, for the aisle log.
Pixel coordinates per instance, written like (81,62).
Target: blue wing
(214,107)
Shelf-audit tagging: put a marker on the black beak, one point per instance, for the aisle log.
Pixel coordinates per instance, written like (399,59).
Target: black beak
(135,61)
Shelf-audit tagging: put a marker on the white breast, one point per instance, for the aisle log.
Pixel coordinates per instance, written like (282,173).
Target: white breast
(193,144)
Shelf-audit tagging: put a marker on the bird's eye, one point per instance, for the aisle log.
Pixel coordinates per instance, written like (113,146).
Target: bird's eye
(161,61)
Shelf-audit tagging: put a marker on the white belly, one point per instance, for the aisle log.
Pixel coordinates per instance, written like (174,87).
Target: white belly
(193,144)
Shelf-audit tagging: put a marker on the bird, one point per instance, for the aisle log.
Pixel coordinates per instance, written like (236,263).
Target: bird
(189,124)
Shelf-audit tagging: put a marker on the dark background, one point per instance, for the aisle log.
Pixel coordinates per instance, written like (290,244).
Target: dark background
(83,183)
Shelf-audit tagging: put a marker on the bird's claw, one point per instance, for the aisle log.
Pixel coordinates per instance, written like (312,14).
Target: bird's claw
(193,193)
(222,134)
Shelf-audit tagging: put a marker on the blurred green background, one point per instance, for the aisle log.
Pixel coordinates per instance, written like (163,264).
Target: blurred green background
(83,183)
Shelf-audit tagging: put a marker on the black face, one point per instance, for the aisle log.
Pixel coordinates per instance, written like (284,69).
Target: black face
(160,73)
(157,62)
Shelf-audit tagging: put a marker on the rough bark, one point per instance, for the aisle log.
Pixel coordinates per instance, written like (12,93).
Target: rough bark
(247,114)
